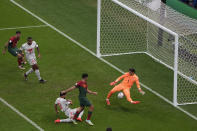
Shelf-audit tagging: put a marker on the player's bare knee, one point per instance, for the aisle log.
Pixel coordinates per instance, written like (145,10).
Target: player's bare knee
(19,56)
(34,67)
(112,91)
(81,109)
(91,108)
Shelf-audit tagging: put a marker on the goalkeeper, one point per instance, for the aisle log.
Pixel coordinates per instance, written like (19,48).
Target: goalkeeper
(128,79)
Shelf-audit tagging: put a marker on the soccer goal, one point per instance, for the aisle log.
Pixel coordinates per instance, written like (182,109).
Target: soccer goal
(152,28)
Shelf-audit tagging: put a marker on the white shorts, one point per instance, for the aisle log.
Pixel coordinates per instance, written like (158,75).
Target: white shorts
(70,113)
(32,61)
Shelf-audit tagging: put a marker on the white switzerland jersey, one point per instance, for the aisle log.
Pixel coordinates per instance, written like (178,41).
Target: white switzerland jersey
(63,104)
(29,50)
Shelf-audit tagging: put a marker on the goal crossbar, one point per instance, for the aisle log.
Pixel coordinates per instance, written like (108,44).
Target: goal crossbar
(145,18)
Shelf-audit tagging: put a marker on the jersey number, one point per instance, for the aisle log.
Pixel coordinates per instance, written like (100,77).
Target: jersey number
(30,51)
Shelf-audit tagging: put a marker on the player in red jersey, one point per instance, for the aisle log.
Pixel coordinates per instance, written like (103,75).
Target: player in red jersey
(11,45)
(84,102)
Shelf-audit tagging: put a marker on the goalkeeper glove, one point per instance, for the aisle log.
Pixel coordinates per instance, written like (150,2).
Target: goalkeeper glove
(141,91)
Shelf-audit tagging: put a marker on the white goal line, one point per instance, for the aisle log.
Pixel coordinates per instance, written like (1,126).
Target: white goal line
(105,61)
(23,27)
(20,114)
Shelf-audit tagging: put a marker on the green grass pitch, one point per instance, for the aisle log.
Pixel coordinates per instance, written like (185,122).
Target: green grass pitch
(62,63)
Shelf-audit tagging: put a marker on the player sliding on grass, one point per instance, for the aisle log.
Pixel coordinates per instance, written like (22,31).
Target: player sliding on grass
(128,79)
(64,106)
(11,45)
(29,49)
(84,102)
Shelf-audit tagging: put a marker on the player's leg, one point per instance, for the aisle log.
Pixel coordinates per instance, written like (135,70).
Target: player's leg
(115,89)
(15,52)
(37,71)
(88,104)
(20,61)
(79,116)
(27,73)
(91,109)
(79,110)
(20,57)
(63,120)
(23,58)
(126,92)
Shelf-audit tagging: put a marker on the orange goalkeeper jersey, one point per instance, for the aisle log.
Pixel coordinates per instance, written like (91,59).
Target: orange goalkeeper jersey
(128,80)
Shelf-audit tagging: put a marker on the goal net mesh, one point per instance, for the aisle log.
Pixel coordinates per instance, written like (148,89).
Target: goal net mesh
(123,32)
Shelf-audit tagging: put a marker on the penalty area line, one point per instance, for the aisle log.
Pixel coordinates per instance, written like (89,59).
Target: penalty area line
(20,114)
(23,27)
(103,60)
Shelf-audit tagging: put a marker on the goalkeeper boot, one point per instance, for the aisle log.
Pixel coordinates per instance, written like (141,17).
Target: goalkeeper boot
(108,102)
(135,102)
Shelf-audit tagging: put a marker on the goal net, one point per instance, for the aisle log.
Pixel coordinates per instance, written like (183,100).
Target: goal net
(152,28)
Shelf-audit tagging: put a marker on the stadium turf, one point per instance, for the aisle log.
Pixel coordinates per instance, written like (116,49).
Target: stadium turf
(62,63)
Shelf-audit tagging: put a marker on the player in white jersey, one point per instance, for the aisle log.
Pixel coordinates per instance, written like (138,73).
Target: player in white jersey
(29,49)
(64,106)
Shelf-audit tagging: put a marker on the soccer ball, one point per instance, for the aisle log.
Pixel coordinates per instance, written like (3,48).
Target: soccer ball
(120,95)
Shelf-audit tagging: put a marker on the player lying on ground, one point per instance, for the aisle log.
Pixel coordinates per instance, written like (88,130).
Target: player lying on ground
(84,102)
(129,79)
(64,106)
(11,45)
(29,49)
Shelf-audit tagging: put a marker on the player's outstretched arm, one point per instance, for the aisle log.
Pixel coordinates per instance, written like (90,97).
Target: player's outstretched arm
(5,48)
(69,89)
(56,109)
(117,80)
(38,50)
(91,92)
(139,88)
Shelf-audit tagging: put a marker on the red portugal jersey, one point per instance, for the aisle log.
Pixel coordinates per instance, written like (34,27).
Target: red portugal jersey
(82,86)
(13,41)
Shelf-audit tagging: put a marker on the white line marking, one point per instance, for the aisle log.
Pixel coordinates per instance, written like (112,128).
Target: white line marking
(35,26)
(20,114)
(111,65)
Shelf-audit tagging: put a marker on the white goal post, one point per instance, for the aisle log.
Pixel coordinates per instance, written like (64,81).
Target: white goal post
(133,26)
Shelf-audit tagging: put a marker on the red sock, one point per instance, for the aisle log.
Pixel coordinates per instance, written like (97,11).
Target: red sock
(76,115)
(20,61)
(89,115)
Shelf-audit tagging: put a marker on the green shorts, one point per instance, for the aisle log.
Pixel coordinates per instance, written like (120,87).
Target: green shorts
(84,101)
(13,51)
